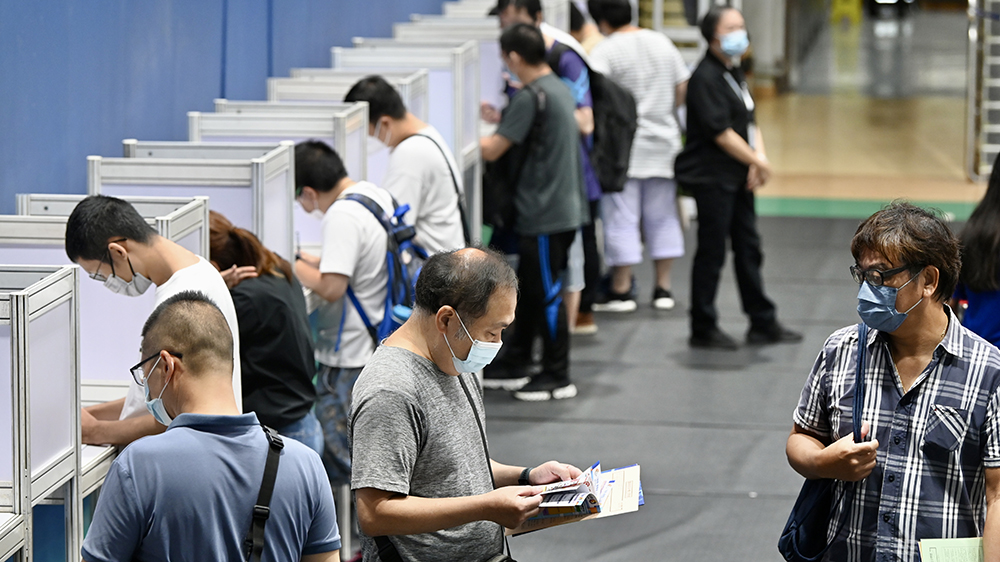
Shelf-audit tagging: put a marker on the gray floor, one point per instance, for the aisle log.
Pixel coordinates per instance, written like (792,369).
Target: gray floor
(890,56)
(707,427)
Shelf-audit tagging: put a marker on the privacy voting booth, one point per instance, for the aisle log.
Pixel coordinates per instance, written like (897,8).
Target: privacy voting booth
(342,126)
(556,12)
(484,30)
(37,236)
(454,98)
(39,402)
(254,193)
(349,136)
(330,84)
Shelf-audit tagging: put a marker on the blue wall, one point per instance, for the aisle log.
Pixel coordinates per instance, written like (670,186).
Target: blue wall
(78,76)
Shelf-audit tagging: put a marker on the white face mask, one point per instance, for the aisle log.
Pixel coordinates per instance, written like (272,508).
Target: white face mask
(137,286)
(481,354)
(388,136)
(316,213)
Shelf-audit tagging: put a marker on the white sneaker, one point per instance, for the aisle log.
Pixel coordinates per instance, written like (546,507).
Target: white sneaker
(616,305)
(663,299)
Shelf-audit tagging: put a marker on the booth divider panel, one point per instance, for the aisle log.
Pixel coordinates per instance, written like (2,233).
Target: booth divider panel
(192,241)
(110,328)
(236,203)
(6,408)
(277,214)
(50,371)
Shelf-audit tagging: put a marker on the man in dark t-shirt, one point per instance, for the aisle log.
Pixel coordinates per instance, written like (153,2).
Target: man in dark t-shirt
(550,204)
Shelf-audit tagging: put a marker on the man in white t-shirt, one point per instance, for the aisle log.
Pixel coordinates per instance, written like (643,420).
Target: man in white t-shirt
(352,259)
(647,64)
(114,245)
(422,171)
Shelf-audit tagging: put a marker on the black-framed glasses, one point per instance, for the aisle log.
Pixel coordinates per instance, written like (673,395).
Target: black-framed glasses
(97,275)
(875,277)
(139,376)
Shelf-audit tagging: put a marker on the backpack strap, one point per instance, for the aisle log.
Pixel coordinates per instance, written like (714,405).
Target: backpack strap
(253,543)
(538,96)
(555,55)
(458,191)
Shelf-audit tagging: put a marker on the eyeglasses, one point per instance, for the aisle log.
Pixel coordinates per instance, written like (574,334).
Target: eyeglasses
(97,275)
(875,277)
(137,372)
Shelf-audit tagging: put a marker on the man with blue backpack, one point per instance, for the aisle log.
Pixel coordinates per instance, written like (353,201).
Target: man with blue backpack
(364,273)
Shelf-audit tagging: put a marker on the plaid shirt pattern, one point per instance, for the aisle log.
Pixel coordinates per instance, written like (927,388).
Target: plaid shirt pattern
(935,442)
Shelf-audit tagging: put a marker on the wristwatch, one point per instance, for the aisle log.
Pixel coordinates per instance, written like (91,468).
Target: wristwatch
(522,480)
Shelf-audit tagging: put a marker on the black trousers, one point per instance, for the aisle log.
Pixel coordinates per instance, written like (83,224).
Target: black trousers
(727,213)
(541,313)
(591,260)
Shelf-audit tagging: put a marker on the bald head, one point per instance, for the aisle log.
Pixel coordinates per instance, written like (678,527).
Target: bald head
(465,279)
(190,324)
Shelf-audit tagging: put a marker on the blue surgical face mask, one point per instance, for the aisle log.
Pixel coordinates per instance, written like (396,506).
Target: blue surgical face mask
(877,306)
(480,355)
(155,405)
(735,43)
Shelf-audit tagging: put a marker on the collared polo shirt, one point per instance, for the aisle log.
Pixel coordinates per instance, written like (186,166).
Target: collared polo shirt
(935,441)
(188,495)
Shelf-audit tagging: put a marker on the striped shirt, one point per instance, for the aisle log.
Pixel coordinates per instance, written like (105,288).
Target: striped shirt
(649,66)
(935,441)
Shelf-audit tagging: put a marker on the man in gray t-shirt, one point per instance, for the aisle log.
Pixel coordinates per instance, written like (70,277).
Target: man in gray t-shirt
(423,483)
(550,204)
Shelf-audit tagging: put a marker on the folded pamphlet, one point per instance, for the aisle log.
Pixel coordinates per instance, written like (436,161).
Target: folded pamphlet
(592,495)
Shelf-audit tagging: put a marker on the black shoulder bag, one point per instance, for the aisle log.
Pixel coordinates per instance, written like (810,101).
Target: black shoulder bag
(387,551)
(804,538)
(458,192)
(253,543)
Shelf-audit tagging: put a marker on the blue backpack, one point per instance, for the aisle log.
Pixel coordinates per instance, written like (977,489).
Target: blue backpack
(403,260)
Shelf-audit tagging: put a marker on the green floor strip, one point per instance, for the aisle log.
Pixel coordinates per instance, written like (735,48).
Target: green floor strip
(848,208)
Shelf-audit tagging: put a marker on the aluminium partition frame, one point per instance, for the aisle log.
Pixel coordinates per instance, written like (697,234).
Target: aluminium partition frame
(252,173)
(413,86)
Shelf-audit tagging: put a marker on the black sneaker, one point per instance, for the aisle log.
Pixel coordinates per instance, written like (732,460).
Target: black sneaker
(775,333)
(610,301)
(715,339)
(546,387)
(663,299)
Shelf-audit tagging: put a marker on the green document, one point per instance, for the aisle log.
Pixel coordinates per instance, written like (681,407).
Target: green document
(951,550)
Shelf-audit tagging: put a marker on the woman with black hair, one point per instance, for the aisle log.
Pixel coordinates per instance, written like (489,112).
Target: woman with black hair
(979,282)
(276,351)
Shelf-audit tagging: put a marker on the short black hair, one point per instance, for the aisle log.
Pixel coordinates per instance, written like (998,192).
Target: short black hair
(191,324)
(98,219)
(576,19)
(463,280)
(382,98)
(615,13)
(533,7)
(710,21)
(317,166)
(526,41)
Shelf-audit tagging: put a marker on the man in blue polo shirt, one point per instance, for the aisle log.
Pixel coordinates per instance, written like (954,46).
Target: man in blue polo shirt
(189,494)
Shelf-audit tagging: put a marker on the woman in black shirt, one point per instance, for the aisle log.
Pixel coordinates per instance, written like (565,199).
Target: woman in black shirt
(276,351)
(722,164)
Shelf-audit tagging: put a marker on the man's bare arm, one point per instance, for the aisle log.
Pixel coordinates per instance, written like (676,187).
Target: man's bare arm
(991,532)
(332,556)
(117,432)
(387,513)
(108,411)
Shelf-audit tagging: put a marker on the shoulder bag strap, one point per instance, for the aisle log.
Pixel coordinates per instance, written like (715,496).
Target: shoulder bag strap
(859,382)
(253,543)
(538,96)
(386,550)
(486,451)
(458,191)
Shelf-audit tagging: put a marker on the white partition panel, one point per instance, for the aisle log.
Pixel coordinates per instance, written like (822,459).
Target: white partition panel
(134,148)
(38,238)
(485,31)
(39,305)
(348,136)
(237,188)
(13,476)
(6,415)
(344,127)
(54,407)
(556,12)
(411,85)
